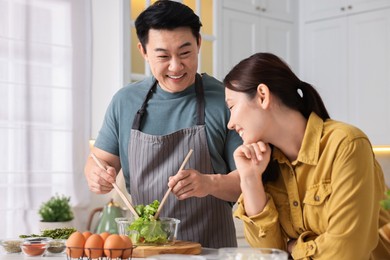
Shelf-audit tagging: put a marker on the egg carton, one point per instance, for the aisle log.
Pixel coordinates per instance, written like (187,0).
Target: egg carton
(114,254)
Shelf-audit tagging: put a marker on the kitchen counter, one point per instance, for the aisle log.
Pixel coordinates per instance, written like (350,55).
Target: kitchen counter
(207,253)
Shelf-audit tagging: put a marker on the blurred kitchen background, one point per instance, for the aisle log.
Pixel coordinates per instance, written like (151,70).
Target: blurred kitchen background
(62,60)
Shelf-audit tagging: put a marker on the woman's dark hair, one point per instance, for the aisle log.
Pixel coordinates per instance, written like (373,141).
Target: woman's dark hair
(270,70)
(167,15)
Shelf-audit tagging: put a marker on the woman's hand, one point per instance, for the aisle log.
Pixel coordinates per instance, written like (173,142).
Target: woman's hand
(252,158)
(291,244)
(251,161)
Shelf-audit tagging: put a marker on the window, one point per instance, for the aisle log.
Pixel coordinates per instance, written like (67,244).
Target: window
(44,112)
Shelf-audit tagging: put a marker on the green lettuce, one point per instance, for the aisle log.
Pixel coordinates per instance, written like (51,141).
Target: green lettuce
(146,229)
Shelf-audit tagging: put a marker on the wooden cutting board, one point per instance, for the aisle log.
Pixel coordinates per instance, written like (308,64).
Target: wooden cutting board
(179,247)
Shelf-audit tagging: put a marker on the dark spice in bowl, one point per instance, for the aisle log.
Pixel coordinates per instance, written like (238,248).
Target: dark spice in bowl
(57,246)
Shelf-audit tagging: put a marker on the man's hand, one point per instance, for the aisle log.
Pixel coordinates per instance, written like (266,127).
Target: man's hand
(99,180)
(189,183)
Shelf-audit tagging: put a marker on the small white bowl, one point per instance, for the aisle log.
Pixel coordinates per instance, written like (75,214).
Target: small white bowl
(11,245)
(56,246)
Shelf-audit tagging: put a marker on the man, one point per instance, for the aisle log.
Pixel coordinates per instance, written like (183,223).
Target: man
(151,125)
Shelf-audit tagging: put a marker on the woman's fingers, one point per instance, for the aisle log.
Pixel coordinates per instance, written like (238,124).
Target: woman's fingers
(255,151)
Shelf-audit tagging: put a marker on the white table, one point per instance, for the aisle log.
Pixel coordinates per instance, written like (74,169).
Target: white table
(207,253)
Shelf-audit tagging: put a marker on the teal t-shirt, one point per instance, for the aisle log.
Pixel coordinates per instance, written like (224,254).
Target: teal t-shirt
(167,113)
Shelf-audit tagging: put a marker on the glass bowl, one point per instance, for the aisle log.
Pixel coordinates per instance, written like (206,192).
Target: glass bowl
(230,253)
(160,232)
(176,257)
(56,246)
(11,245)
(35,246)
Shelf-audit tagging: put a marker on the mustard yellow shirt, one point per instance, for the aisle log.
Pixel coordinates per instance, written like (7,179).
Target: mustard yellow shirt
(327,199)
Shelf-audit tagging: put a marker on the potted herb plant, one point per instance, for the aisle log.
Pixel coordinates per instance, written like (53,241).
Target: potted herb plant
(56,213)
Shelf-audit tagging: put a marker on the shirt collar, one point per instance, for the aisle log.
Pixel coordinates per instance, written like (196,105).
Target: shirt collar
(310,148)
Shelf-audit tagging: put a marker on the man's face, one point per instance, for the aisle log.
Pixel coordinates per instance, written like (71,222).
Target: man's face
(173,57)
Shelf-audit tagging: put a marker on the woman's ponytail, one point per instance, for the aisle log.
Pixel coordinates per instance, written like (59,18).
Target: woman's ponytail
(312,101)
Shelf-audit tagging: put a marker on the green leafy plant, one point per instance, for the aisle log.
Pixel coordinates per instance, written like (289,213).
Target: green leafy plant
(386,202)
(56,209)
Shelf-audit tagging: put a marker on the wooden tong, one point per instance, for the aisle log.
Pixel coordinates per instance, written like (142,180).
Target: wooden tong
(121,194)
(169,190)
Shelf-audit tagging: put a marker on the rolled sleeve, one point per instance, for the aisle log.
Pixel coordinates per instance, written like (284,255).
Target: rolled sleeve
(263,229)
(304,249)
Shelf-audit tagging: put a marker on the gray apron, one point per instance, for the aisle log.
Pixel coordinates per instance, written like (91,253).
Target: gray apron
(152,159)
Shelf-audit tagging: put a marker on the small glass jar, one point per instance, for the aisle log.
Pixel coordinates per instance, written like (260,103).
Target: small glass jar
(56,246)
(35,246)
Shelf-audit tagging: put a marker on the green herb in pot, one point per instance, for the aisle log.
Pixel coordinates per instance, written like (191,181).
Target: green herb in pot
(56,209)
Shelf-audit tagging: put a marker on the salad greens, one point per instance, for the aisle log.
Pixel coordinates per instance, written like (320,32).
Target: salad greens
(146,229)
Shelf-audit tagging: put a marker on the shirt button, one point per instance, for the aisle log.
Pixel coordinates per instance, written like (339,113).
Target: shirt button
(295,203)
(317,198)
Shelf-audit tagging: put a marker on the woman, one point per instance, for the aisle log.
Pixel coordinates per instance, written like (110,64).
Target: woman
(310,184)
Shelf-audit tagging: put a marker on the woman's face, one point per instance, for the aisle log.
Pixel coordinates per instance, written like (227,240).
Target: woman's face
(247,115)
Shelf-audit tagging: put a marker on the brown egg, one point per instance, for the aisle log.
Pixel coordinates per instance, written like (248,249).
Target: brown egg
(87,234)
(104,235)
(75,245)
(93,247)
(113,246)
(128,245)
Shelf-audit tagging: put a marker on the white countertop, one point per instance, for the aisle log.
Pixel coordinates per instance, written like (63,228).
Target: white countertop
(207,253)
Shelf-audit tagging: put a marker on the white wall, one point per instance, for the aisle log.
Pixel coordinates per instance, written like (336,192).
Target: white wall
(107,70)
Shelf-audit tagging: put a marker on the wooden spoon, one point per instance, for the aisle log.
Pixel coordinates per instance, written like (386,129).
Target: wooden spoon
(169,190)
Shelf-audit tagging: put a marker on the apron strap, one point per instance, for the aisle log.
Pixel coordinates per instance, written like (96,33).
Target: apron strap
(199,103)
(141,111)
(199,99)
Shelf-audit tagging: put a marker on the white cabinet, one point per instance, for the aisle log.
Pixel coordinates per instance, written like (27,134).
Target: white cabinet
(322,9)
(245,32)
(277,9)
(348,60)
